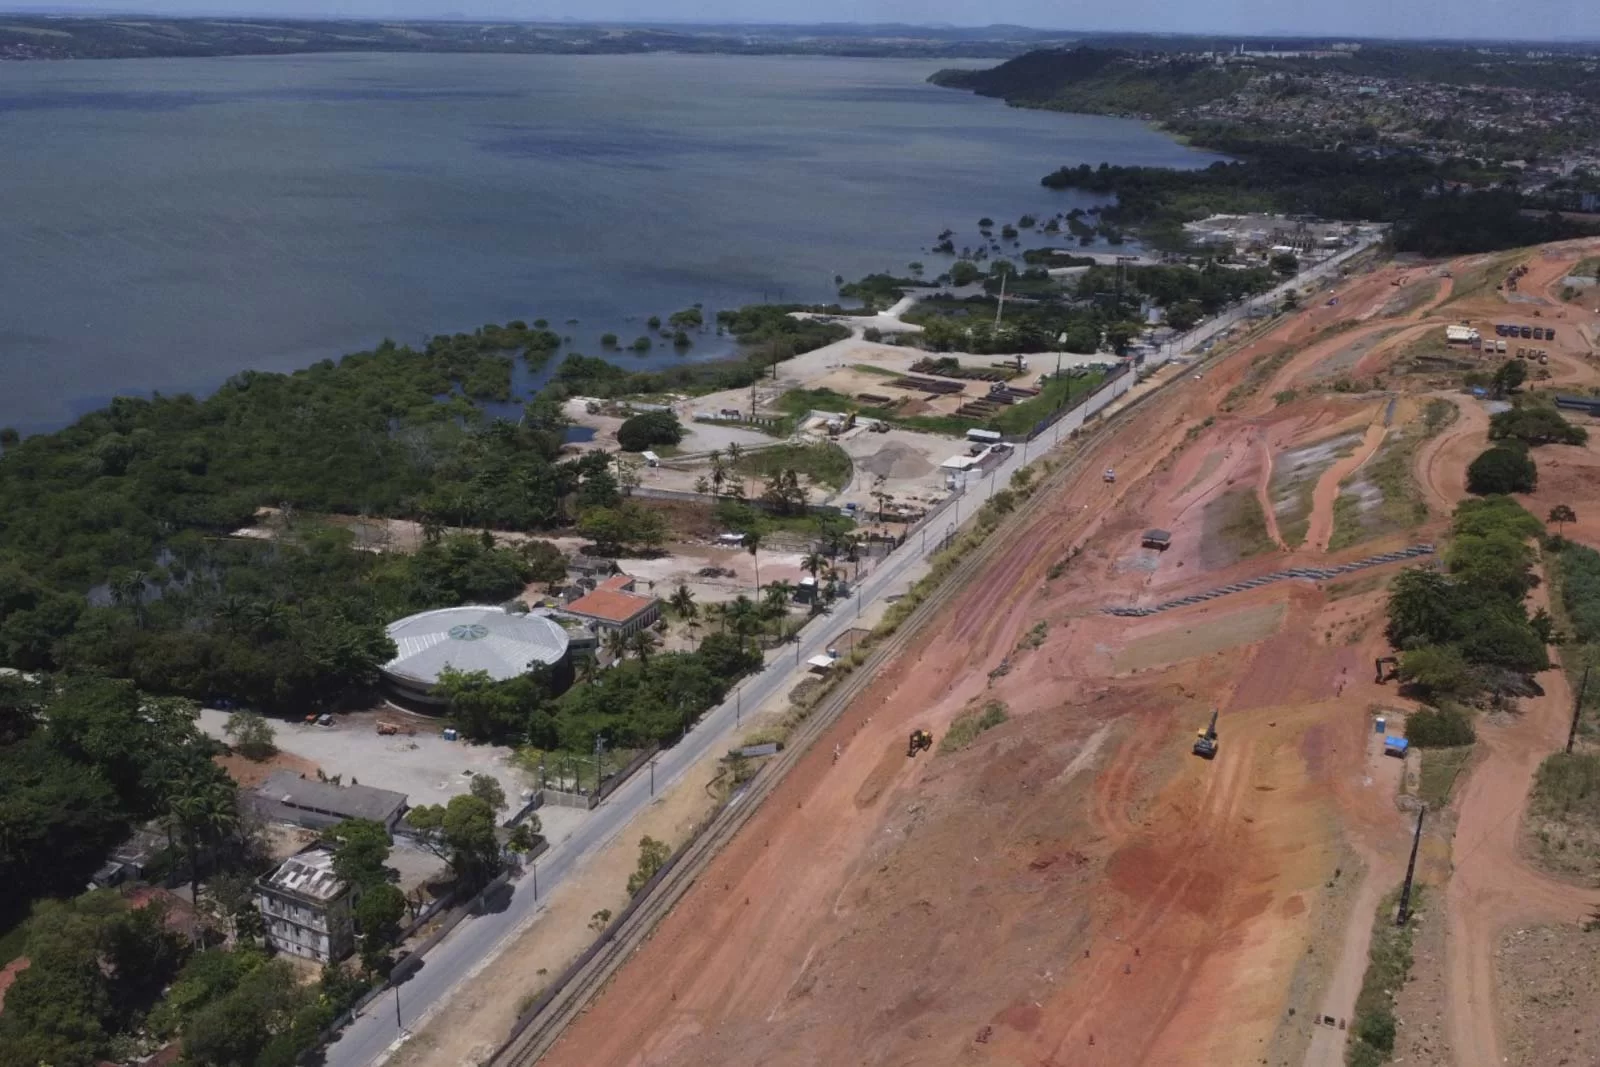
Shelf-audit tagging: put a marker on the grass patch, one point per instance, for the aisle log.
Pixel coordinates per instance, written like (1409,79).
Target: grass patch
(969,724)
(1285,396)
(1242,529)
(1066,391)
(1472,282)
(1564,814)
(1356,586)
(824,462)
(1372,1028)
(1035,636)
(1401,506)
(1441,767)
(1263,368)
(1568,785)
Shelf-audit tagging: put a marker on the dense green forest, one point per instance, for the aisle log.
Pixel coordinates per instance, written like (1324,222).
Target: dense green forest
(114,547)
(1466,630)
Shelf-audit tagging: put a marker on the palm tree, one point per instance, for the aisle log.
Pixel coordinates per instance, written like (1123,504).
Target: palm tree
(719,473)
(588,667)
(742,611)
(205,808)
(778,594)
(735,453)
(814,562)
(643,643)
(752,544)
(616,644)
(682,602)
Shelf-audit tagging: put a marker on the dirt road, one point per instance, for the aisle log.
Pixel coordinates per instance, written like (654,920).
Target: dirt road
(1492,886)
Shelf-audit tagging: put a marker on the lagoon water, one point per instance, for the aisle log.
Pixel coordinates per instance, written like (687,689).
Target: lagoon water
(166,223)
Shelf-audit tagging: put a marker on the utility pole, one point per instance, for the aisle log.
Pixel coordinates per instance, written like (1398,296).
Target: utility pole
(1577,709)
(1411,870)
(652,777)
(599,748)
(398,1025)
(1000,305)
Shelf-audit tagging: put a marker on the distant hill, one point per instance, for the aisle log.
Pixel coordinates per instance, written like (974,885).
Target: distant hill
(1102,81)
(75,37)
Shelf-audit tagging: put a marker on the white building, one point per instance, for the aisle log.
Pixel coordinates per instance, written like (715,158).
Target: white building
(308,910)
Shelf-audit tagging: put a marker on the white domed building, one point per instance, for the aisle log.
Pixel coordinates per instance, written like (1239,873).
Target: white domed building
(500,643)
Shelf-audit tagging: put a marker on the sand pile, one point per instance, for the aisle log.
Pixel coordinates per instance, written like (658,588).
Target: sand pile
(896,460)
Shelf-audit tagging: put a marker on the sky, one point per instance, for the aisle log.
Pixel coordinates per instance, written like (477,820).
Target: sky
(1529,19)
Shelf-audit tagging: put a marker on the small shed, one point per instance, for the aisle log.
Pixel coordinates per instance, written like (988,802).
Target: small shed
(1158,539)
(820,664)
(1395,746)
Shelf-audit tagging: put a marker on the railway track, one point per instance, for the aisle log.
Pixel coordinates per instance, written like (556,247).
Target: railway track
(531,1040)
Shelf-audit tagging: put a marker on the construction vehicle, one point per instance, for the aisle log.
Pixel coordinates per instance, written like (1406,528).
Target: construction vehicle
(1110,475)
(1205,741)
(388,729)
(920,739)
(1381,663)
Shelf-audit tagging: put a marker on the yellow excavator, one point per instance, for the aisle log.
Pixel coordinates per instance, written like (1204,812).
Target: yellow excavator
(920,739)
(1205,741)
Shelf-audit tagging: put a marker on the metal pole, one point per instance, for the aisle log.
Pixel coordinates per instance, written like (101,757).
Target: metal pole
(1577,709)
(652,777)
(1411,870)
(536,883)
(398,1025)
(738,705)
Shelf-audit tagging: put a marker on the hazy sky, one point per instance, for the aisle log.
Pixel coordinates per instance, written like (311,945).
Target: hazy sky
(1538,19)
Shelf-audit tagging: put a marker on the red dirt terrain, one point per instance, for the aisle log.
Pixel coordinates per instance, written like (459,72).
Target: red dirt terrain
(1074,887)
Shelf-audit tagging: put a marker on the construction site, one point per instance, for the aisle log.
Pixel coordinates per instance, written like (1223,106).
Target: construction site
(1118,797)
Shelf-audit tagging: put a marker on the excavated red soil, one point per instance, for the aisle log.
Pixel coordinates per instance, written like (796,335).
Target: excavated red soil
(1074,887)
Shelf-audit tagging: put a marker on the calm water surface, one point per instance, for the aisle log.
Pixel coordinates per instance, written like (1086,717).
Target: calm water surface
(166,223)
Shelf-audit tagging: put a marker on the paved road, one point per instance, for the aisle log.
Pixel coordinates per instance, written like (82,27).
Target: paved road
(372,1034)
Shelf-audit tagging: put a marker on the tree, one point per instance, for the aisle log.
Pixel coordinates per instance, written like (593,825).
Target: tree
(1561,514)
(649,428)
(1421,609)
(251,734)
(1508,378)
(778,595)
(1440,669)
(653,855)
(462,833)
(486,709)
(643,643)
(378,914)
(615,643)
(682,601)
(204,805)
(487,789)
(1285,263)
(1502,470)
(963,272)
(361,852)
(752,544)
(546,563)
(264,1021)
(1535,425)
